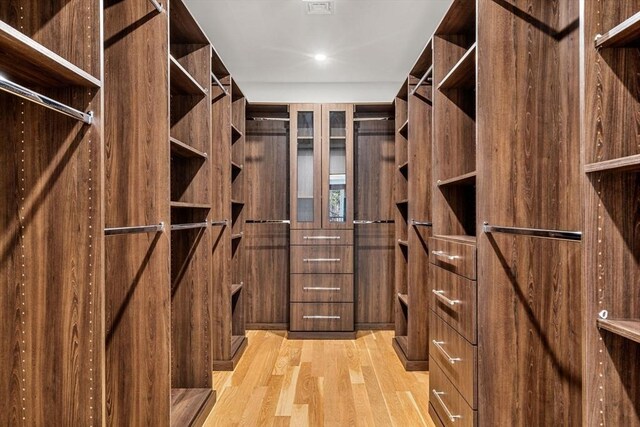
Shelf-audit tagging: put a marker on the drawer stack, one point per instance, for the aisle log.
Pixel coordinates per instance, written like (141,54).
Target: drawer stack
(453,335)
(321,284)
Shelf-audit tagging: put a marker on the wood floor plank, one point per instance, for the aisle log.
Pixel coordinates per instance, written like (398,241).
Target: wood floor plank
(319,383)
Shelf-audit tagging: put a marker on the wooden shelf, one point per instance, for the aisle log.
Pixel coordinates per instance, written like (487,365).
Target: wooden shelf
(626,34)
(403,202)
(187,205)
(28,62)
(236,343)
(404,129)
(237,202)
(184,29)
(236,236)
(309,138)
(466,179)
(463,74)
(623,164)
(235,133)
(235,288)
(403,243)
(181,149)
(629,329)
(191,406)
(459,19)
(403,343)
(458,238)
(404,168)
(404,299)
(235,168)
(183,83)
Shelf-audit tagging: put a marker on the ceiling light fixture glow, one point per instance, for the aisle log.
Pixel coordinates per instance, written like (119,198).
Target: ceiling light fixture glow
(320,57)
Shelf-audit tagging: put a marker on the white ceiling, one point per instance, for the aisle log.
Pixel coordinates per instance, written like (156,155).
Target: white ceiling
(269,46)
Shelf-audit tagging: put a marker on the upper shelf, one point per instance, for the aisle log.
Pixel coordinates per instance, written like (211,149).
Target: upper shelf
(629,329)
(463,74)
(183,28)
(466,179)
(182,82)
(404,129)
(26,61)
(181,149)
(459,19)
(626,34)
(623,164)
(235,133)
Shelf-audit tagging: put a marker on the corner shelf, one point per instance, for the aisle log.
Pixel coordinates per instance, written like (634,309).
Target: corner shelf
(404,299)
(403,243)
(235,288)
(237,236)
(235,168)
(402,202)
(404,129)
(404,168)
(463,74)
(466,179)
(626,34)
(235,133)
(182,82)
(237,202)
(181,149)
(629,329)
(187,205)
(623,164)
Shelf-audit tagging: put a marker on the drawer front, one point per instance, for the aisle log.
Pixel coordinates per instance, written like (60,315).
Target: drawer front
(318,317)
(321,237)
(322,259)
(457,257)
(321,288)
(451,408)
(456,357)
(454,298)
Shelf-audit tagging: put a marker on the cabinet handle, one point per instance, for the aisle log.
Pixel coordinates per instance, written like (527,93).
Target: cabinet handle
(437,395)
(319,288)
(441,254)
(438,345)
(321,237)
(321,260)
(322,317)
(441,297)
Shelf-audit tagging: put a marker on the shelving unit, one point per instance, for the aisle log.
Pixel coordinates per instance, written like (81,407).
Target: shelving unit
(611,155)
(52,215)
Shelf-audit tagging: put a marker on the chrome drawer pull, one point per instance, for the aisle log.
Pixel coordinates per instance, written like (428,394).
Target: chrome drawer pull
(441,297)
(321,260)
(437,395)
(438,345)
(442,254)
(321,237)
(319,288)
(322,317)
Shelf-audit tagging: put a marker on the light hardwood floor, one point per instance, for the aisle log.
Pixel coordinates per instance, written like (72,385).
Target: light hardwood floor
(281,382)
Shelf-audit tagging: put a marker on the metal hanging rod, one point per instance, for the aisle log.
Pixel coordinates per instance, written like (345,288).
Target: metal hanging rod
(426,77)
(268,221)
(374,221)
(574,236)
(373,119)
(421,223)
(269,119)
(29,95)
(157,5)
(220,85)
(190,226)
(221,222)
(114,231)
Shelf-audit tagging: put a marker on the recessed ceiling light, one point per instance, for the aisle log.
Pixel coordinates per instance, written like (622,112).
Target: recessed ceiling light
(320,57)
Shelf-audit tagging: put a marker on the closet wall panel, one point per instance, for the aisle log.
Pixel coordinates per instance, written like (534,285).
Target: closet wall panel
(529,289)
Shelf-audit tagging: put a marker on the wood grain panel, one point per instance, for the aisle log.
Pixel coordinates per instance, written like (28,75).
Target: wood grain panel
(322,288)
(462,315)
(340,317)
(464,256)
(321,259)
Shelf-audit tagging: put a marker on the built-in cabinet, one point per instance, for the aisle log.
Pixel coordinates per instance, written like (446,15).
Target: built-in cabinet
(321,252)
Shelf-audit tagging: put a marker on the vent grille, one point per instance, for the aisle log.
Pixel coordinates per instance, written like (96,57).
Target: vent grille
(320,7)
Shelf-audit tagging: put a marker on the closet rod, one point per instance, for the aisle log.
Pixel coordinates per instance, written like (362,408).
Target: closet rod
(221,222)
(373,119)
(220,85)
(268,221)
(114,231)
(29,95)
(373,221)
(190,226)
(157,5)
(574,236)
(421,223)
(426,77)
(269,119)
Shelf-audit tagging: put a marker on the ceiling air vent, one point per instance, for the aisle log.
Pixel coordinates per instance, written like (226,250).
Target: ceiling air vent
(319,7)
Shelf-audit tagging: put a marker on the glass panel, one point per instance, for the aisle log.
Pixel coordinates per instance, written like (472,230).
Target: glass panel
(337,166)
(305,166)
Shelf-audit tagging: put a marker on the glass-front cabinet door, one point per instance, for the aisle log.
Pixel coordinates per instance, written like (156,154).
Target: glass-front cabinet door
(337,166)
(306,155)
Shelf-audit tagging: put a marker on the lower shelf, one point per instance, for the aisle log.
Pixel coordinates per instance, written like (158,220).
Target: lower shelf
(629,329)
(238,346)
(191,406)
(401,345)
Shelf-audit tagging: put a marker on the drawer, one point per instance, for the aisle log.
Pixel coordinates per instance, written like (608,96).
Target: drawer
(321,287)
(322,259)
(321,317)
(456,357)
(321,237)
(457,257)
(455,299)
(450,407)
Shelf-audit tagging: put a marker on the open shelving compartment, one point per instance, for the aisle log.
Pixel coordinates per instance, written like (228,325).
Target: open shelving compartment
(52,215)
(612,187)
